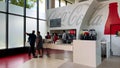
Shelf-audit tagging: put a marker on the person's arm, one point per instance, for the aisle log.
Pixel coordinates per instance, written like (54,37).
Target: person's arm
(28,34)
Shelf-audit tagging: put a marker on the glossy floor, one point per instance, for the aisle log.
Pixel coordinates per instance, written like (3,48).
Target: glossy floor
(13,61)
(113,62)
(17,60)
(57,59)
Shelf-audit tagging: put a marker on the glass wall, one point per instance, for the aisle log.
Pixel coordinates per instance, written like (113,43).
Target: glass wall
(16,6)
(42,13)
(43,28)
(12,21)
(56,3)
(2,5)
(31,24)
(2,31)
(31,8)
(63,3)
(68,3)
(15,31)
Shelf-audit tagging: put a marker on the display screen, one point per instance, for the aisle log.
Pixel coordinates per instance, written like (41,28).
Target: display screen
(55,22)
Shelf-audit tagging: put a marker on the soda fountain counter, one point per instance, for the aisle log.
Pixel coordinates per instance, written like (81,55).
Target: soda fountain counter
(58,46)
(85,52)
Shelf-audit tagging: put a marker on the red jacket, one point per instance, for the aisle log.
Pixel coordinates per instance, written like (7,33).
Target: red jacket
(55,38)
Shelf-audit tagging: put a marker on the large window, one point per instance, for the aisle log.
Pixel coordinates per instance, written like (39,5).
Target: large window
(69,3)
(43,28)
(16,6)
(31,8)
(31,24)
(15,31)
(42,13)
(56,3)
(2,5)
(60,3)
(12,21)
(63,3)
(2,31)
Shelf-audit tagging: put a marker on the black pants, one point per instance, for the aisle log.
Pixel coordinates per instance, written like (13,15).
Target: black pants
(64,41)
(32,49)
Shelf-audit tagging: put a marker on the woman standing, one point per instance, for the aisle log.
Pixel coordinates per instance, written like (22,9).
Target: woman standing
(55,37)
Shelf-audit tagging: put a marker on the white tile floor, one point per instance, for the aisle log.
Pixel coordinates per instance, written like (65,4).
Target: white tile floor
(43,63)
(64,61)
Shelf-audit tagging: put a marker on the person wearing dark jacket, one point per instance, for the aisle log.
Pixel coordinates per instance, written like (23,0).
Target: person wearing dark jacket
(32,38)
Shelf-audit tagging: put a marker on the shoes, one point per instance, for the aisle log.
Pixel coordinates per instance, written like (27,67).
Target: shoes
(40,56)
(34,56)
(48,55)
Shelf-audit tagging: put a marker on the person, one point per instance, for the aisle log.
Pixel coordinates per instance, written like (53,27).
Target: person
(64,37)
(48,40)
(55,37)
(39,44)
(48,36)
(31,40)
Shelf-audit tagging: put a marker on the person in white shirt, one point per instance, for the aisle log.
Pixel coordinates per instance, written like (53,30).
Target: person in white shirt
(64,37)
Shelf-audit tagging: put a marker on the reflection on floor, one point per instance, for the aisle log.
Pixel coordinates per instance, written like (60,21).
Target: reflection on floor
(13,61)
(57,59)
(17,60)
(113,62)
(43,63)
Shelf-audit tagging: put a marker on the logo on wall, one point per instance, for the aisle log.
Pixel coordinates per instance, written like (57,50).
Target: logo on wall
(113,19)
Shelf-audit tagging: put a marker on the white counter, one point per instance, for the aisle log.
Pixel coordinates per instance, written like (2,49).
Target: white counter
(67,47)
(84,52)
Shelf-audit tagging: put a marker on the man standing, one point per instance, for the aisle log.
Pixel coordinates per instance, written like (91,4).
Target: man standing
(64,37)
(32,38)
(39,44)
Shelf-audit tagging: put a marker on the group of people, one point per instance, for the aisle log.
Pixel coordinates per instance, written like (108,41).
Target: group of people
(37,39)
(54,37)
(33,39)
(64,37)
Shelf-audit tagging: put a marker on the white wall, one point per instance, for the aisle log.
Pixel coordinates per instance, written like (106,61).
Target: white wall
(75,16)
(98,21)
(71,16)
(94,15)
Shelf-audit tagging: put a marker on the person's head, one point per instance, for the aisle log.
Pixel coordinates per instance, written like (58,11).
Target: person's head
(47,33)
(55,34)
(33,31)
(38,32)
(52,34)
(64,31)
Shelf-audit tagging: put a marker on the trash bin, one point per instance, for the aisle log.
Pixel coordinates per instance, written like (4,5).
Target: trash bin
(103,49)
